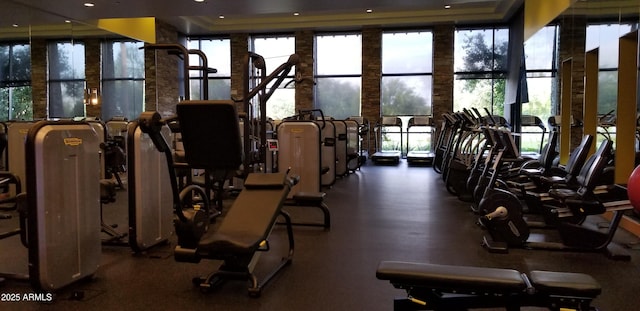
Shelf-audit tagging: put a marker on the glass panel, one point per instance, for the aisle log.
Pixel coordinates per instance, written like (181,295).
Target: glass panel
(500,49)
(127,60)
(123,98)
(15,81)
(539,50)
(339,54)
(410,52)
(406,95)
(606,38)
(66,99)
(338,97)
(218,53)
(607,91)
(479,93)
(276,51)
(66,80)
(473,50)
(123,79)
(15,64)
(66,61)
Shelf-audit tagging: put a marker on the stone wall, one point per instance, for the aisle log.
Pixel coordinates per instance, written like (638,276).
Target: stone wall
(39,77)
(92,69)
(442,97)
(304,88)
(573,33)
(162,78)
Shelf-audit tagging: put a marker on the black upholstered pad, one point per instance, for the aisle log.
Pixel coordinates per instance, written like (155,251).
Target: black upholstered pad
(247,223)
(565,284)
(210,134)
(461,278)
(265,181)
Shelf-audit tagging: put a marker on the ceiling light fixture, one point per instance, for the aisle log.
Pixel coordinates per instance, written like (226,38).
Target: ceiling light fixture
(369,11)
(221,16)
(15,25)
(89,4)
(199,0)
(296,13)
(447,6)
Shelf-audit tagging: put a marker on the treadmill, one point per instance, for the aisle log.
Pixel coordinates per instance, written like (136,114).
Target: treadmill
(382,156)
(533,122)
(424,126)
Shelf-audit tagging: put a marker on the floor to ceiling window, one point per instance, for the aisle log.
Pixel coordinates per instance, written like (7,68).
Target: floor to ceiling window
(480,67)
(66,79)
(276,51)
(406,86)
(122,79)
(338,74)
(15,82)
(218,54)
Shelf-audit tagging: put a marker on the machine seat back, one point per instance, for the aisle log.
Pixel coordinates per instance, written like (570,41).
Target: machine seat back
(210,134)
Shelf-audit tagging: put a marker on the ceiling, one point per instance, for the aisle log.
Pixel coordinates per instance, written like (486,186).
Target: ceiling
(195,18)
(47,17)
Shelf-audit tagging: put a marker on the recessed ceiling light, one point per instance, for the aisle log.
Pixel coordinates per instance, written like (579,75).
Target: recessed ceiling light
(67,21)
(199,0)
(296,13)
(221,16)
(447,6)
(89,4)
(369,11)
(15,25)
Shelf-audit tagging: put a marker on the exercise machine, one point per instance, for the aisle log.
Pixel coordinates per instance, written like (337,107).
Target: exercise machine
(425,155)
(359,137)
(149,195)
(383,155)
(211,138)
(60,211)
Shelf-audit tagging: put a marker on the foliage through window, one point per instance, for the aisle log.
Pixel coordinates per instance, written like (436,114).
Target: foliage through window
(276,50)
(122,79)
(15,82)
(218,53)
(338,74)
(66,79)
(406,86)
(480,65)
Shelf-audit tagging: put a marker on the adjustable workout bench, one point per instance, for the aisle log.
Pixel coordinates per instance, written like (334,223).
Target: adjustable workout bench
(211,138)
(446,287)
(244,232)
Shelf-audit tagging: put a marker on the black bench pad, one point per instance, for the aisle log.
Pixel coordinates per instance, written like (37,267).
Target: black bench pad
(249,220)
(457,278)
(565,284)
(309,197)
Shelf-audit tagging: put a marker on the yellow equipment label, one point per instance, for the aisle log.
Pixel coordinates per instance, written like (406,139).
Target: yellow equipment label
(73,141)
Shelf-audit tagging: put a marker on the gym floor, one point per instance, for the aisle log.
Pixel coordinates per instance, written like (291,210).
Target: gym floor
(378,213)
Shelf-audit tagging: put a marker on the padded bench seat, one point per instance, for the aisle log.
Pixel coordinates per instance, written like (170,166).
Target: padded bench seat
(565,284)
(445,277)
(447,287)
(311,199)
(248,222)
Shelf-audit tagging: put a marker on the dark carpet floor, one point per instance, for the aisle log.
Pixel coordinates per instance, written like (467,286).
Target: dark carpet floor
(379,213)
